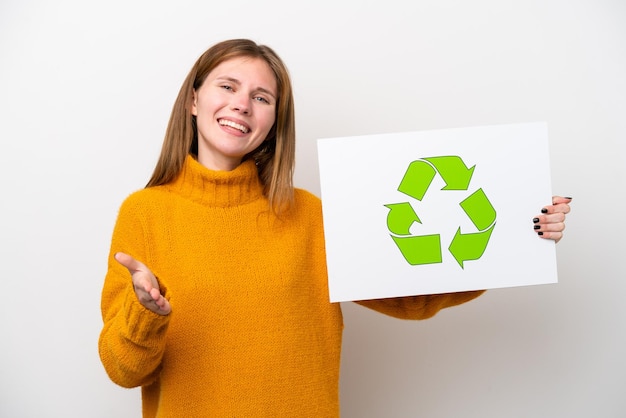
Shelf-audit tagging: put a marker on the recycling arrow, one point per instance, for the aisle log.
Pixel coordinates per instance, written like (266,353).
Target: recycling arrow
(426,249)
(421,249)
(421,173)
(417,179)
(453,171)
(479,209)
(465,247)
(400,218)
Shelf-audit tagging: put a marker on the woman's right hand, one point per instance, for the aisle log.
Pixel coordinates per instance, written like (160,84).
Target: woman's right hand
(146,285)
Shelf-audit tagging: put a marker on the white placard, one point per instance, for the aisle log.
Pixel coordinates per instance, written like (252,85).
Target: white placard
(435,211)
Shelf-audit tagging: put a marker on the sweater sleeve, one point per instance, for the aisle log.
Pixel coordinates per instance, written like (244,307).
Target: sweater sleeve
(132,340)
(419,307)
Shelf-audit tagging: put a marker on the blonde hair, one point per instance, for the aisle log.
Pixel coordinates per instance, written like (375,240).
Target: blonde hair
(275,157)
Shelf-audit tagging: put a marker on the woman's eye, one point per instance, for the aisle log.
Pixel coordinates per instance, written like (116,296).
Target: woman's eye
(227,87)
(262,99)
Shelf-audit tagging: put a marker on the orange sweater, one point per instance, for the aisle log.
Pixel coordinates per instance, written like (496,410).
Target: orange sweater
(251,332)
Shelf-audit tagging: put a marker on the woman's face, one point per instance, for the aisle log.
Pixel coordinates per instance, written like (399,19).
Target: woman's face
(235,109)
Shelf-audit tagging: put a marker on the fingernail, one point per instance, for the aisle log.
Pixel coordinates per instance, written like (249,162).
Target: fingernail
(544,210)
(537,226)
(535,220)
(539,233)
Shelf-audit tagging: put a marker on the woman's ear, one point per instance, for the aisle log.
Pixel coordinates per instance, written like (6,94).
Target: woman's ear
(194,99)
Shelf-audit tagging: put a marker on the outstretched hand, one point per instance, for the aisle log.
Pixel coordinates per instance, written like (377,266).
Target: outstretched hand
(145,284)
(551,223)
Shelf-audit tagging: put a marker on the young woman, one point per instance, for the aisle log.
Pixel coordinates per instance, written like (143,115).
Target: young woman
(216,297)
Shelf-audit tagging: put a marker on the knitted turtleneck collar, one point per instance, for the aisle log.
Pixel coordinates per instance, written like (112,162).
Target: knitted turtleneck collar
(218,188)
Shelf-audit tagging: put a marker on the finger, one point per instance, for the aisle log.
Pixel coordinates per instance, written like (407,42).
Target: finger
(155,294)
(562,208)
(559,208)
(162,305)
(129,262)
(551,227)
(550,218)
(559,204)
(558,199)
(555,236)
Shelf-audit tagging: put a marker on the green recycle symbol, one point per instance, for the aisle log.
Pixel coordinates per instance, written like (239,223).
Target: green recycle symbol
(426,249)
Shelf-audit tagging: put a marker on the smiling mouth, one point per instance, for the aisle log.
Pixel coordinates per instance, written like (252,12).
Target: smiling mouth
(232,124)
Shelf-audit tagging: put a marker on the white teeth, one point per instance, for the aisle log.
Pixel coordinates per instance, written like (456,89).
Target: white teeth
(232,124)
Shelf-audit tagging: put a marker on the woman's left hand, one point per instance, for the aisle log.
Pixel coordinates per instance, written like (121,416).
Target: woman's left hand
(551,223)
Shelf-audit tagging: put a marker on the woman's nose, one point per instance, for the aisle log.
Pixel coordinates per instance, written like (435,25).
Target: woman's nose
(241,103)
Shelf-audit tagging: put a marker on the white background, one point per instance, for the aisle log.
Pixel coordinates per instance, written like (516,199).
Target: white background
(85,93)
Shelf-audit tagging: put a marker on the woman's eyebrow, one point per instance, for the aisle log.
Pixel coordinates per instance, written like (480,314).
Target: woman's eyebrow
(227,78)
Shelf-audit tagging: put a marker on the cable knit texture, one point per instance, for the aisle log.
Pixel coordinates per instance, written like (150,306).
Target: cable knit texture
(251,332)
